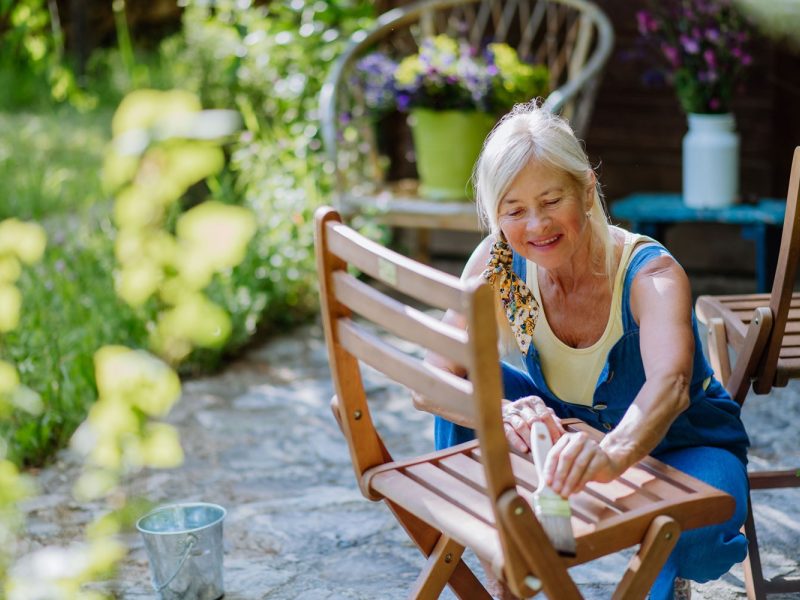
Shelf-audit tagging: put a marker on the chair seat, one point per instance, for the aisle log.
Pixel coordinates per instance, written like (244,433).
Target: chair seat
(447,490)
(399,204)
(736,312)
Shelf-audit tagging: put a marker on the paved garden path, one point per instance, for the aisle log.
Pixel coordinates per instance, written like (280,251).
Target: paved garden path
(260,440)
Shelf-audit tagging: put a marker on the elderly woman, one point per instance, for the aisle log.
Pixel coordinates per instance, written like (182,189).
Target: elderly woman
(604,321)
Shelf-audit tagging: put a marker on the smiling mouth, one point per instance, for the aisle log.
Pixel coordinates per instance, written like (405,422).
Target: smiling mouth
(547,242)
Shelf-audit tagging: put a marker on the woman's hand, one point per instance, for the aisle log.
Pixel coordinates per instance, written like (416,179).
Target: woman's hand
(520,414)
(575,460)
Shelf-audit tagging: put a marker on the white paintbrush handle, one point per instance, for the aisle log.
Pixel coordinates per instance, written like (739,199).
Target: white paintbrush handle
(540,446)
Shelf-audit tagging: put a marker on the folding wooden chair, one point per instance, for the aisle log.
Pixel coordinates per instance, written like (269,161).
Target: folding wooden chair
(763,331)
(475,495)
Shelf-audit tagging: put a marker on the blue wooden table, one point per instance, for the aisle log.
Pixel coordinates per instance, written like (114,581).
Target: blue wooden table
(652,213)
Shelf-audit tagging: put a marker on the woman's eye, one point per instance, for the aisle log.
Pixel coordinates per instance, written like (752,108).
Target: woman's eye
(517,212)
(552,202)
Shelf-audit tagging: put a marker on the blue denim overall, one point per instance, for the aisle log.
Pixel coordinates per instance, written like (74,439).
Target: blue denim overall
(707,440)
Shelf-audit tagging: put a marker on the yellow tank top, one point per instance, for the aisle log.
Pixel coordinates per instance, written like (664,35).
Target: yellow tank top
(572,373)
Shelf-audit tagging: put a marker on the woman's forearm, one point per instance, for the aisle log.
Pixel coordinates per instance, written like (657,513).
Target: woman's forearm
(658,404)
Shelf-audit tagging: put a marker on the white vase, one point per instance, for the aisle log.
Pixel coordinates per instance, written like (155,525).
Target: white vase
(710,161)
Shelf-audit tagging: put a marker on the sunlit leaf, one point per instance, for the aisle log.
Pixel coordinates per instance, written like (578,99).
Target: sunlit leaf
(217,233)
(138,377)
(193,162)
(110,417)
(10,269)
(9,379)
(195,273)
(25,399)
(118,170)
(94,483)
(197,320)
(141,109)
(135,208)
(161,448)
(10,305)
(137,281)
(25,240)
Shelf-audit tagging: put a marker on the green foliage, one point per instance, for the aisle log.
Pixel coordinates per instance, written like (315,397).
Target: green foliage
(270,63)
(49,162)
(32,65)
(70,310)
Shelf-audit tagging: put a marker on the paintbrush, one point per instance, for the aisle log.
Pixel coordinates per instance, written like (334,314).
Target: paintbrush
(552,510)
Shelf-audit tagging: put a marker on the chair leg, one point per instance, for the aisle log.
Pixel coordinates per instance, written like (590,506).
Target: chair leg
(541,559)
(753,574)
(440,566)
(718,350)
(644,566)
(462,581)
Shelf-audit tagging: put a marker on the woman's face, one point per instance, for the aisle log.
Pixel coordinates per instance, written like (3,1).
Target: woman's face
(543,215)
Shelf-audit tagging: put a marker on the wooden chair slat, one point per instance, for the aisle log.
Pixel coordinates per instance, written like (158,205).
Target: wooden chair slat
(586,509)
(465,467)
(438,512)
(452,392)
(790,366)
(745,314)
(765,480)
(403,274)
(468,498)
(400,319)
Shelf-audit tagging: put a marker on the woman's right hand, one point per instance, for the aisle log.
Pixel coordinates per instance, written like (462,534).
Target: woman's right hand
(520,414)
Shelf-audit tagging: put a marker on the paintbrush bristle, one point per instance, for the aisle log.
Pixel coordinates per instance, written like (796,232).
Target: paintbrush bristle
(553,513)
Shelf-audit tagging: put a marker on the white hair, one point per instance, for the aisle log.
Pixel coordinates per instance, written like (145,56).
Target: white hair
(527,133)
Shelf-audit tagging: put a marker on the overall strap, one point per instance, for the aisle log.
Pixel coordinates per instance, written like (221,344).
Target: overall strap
(641,256)
(519,266)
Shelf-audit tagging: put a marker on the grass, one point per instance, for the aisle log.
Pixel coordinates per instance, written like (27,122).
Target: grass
(50,166)
(50,162)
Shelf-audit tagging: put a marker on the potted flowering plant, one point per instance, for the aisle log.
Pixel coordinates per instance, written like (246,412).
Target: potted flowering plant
(454,95)
(702,49)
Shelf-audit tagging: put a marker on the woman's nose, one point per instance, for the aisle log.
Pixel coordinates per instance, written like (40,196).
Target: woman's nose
(536,221)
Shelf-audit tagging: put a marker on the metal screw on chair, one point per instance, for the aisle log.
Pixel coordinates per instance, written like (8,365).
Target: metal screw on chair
(756,320)
(533,583)
(518,511)
(357,415)
(448,558)
(668,536)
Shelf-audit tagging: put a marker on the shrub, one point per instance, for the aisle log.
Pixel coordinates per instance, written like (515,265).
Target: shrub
(269,63)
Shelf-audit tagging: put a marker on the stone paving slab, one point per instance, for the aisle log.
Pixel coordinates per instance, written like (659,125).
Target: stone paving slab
(260,440)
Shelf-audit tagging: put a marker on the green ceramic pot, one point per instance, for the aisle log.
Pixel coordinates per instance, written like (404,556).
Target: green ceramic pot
(447,144)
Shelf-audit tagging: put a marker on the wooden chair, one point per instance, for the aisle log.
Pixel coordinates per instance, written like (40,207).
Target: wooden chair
(572,37)
(475,495)
(763,331)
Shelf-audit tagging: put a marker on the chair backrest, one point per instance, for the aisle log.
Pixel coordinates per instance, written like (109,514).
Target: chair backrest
(573,38)
(352,309)
(785,332)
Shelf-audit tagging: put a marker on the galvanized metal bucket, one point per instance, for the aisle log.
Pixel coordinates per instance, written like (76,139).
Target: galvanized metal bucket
(184,545)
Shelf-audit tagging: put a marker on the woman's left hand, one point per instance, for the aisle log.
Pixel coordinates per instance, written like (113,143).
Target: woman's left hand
(575,460)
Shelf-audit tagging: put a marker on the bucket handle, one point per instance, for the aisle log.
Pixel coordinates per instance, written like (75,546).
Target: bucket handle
(189,545)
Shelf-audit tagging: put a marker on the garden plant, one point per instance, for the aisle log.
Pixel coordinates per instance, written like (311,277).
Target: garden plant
(110,312)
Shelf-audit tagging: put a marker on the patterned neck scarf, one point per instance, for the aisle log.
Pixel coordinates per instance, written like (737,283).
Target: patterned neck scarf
(518,302)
